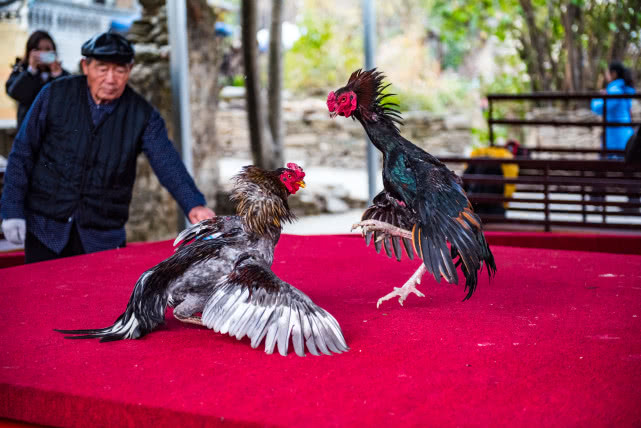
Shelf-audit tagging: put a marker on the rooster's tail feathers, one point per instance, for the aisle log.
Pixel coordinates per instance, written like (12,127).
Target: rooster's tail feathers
(467,242)
(145,310)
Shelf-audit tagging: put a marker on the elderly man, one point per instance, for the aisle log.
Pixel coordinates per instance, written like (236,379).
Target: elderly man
(72,167)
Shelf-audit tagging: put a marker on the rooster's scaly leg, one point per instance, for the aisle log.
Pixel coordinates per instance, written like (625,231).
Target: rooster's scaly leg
(379,226)
(406,289)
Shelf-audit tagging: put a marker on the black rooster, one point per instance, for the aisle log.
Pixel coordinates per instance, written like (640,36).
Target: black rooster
(222,269)
(423,204)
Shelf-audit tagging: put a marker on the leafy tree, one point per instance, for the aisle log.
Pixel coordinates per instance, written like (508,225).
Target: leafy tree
(275,77)
(564,44)
(264,153)
(326,53)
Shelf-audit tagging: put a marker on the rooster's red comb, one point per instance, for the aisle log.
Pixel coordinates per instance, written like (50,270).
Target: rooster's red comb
(297,169)
(331,101)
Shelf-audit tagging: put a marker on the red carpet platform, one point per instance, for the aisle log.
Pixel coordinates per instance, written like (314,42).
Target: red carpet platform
(604,242)
(553,340)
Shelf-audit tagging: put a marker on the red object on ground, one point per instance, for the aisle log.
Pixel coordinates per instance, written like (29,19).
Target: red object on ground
(11,258)
(605,242)
(553,340)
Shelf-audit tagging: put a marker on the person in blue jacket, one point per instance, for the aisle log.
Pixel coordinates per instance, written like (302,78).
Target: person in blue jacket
(619,81)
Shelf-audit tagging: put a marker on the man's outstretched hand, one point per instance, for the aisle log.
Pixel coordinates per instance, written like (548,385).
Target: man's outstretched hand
(200,213)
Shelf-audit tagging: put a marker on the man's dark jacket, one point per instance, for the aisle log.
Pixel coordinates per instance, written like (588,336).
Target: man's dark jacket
(84,170)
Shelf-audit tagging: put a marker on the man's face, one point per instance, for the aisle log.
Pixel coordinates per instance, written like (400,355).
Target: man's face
(106,80)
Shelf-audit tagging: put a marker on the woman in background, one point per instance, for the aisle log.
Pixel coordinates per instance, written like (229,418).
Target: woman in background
(39,66)
(619,81)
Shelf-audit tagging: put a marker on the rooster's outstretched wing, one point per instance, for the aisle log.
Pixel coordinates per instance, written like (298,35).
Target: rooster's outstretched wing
(252,301)
(387,209)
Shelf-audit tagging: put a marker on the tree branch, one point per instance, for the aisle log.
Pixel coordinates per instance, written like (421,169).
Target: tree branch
(275,80)
(260,142)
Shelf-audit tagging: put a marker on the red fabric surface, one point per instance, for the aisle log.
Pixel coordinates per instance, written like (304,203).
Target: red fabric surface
(607,243)
(11,258)
(553,340)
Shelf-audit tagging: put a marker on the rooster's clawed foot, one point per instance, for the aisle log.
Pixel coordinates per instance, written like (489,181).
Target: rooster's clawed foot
(406,289)
(387,229)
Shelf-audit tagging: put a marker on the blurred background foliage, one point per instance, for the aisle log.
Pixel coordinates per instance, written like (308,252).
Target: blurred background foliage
(324,54)
(439,53)
(564,45)
(444,55)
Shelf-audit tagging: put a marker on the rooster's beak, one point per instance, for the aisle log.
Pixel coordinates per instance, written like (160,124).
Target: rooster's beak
(301,184)
(332,114)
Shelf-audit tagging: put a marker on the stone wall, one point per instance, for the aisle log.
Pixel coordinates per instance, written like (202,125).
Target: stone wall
(313,138)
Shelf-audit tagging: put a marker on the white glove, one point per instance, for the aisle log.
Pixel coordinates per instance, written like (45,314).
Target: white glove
(15,230)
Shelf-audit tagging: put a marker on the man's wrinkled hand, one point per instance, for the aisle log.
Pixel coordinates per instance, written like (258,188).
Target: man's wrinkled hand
(15,230)
(200,213)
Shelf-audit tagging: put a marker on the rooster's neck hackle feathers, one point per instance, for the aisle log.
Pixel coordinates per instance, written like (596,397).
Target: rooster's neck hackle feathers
(368,87)
(261,201)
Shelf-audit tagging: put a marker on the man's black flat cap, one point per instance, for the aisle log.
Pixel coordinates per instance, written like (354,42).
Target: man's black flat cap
(109,47)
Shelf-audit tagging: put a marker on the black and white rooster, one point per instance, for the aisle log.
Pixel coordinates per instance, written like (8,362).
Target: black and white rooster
(222,269)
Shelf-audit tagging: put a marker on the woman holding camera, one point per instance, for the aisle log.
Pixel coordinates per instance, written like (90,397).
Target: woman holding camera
(39,66)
